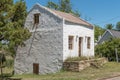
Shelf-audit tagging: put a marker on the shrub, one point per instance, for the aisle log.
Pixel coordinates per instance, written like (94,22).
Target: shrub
(79,58)
(9,63)
(76,58)
(107,49)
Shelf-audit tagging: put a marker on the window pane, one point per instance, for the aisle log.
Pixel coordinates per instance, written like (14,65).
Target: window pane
(70,42)
(88,42)
(36,18)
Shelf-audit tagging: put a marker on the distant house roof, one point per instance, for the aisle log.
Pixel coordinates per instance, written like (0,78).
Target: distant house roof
(109,34)
(67,16)
(115,33)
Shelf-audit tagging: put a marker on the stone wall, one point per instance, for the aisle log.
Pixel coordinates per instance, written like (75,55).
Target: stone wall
(80,65)
(45,46)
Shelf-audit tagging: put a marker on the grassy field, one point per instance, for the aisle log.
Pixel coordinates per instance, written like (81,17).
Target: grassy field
(91,73)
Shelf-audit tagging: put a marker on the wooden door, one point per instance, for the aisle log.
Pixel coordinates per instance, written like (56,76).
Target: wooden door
(80,46)
(35,68)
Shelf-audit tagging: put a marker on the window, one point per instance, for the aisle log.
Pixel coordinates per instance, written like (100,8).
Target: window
(88,42)
(35,68)
(70,42)
(36,18)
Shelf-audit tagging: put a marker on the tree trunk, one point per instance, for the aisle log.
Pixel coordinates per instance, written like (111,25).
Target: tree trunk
(1,68)
(1,72)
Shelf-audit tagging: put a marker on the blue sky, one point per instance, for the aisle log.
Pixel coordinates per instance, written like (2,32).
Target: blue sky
(100,12)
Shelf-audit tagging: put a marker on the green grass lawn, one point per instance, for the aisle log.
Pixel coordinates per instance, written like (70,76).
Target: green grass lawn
(91,73)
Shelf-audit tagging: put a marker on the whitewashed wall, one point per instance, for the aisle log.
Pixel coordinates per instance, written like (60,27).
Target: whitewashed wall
(45,48)
(77,31)
(50,45)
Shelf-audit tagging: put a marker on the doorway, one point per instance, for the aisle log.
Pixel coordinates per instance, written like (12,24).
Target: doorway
(35,68)
(80,46)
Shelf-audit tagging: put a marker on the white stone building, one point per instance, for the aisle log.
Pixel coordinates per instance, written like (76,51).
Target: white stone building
(55,37)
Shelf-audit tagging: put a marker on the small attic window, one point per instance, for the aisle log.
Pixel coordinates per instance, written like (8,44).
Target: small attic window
(36,18)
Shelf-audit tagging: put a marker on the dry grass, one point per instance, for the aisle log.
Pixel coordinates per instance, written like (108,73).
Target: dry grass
(91,73)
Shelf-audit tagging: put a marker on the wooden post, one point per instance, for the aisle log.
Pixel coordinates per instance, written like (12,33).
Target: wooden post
(116,55)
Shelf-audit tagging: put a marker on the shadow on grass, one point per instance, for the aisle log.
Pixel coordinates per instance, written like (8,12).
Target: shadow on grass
(8,77)
(5,76)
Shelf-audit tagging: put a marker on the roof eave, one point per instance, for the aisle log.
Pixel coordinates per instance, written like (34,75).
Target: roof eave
(89,26)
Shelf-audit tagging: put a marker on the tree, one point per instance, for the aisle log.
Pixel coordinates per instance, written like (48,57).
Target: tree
(109,26)
(52,5)
(2,60)
(76,13)
(118,26)
(64,6)
(12,29)
(98,32)
(107,49)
